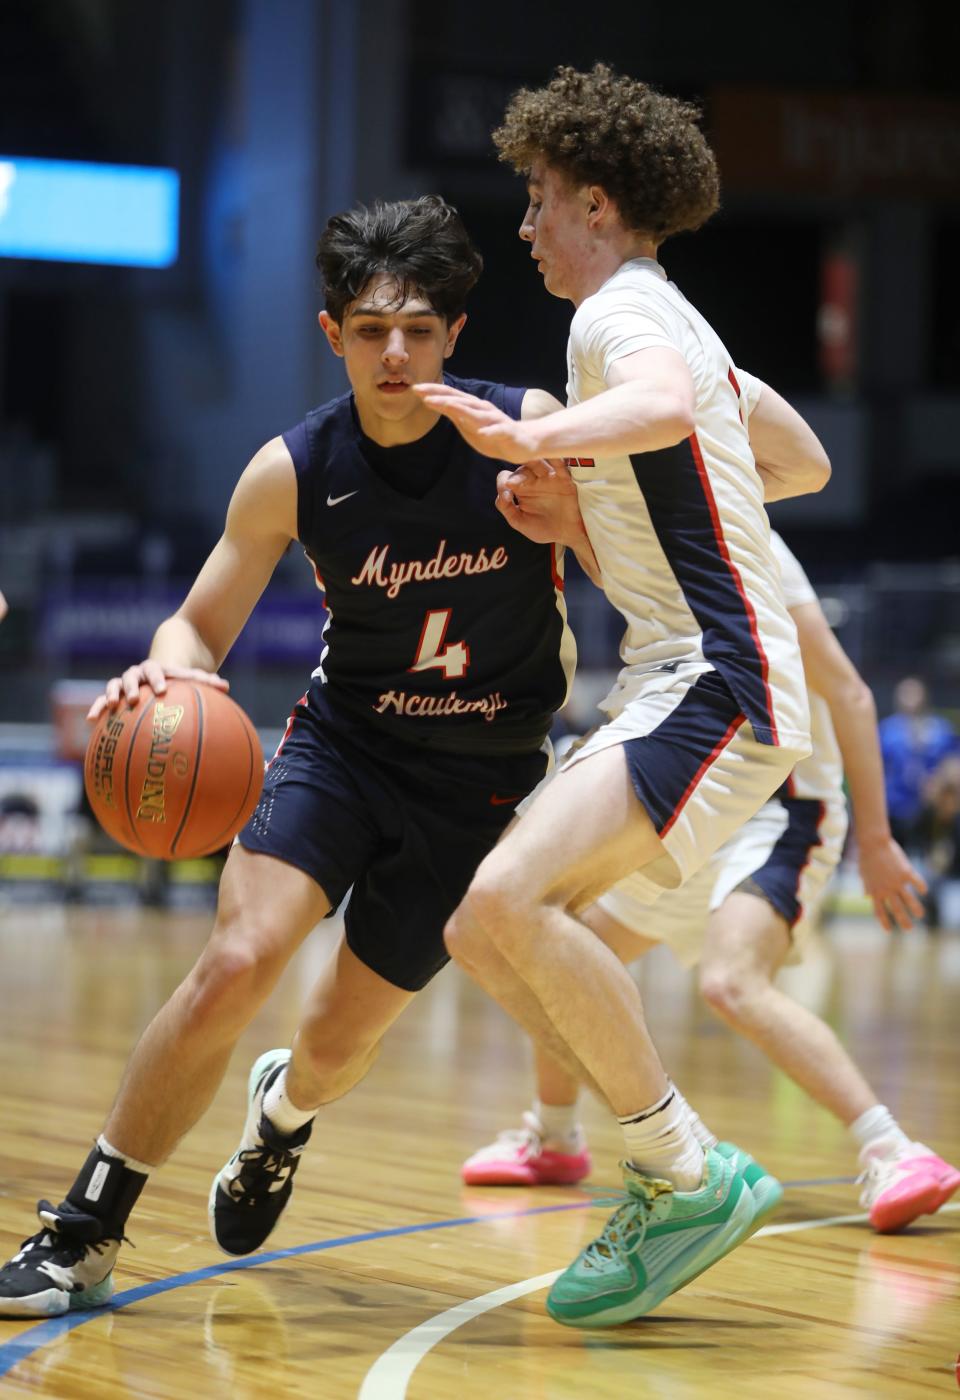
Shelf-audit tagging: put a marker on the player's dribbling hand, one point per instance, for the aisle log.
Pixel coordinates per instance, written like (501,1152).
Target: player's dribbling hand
(892,884)
(150,673)
(489,431)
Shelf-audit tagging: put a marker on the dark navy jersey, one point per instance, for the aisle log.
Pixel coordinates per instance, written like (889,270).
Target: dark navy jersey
(447,628)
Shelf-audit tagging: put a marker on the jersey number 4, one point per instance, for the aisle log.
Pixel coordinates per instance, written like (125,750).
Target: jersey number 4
(452,659)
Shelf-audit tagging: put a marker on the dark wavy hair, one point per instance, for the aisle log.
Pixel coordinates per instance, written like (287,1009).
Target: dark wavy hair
(420,242)
(602,128)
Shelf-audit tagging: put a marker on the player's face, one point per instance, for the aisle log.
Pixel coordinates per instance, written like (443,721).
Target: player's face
(556,227)
(388,345)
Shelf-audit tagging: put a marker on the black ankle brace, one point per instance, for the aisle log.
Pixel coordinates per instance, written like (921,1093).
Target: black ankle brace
(106,1190)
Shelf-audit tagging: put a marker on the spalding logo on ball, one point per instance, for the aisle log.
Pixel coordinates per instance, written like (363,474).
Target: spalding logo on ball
(175,775)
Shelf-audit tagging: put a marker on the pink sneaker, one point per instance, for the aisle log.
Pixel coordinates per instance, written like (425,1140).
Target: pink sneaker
(947,1176)
(519,1158)
(896,1191)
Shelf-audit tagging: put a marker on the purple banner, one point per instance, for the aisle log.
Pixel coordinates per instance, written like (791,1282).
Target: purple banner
(116,619)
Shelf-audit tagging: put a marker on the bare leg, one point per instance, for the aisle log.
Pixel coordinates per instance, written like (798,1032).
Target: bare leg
(516,997)
(745,944)
(349,1010)
(266,908)
(554,1085)
(577,839)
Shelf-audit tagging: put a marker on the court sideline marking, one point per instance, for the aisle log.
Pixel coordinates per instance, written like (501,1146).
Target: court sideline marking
(21,1347)
(24,1345)
(390,1375)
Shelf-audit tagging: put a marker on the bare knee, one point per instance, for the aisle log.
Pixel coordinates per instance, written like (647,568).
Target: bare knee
(731,991)
(486,923)
(463,938)
(230,981)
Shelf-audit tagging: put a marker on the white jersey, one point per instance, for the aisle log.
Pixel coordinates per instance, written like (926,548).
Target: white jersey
(681,534)
(820,775)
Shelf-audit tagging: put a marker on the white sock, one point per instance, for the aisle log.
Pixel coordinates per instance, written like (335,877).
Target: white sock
(284,1115)
(561,1127)
(110,1151)
(697,1126)
(878,1134)
(660,1143)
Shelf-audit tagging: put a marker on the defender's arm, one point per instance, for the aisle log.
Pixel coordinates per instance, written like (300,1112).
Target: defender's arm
(888,877)
(790,458)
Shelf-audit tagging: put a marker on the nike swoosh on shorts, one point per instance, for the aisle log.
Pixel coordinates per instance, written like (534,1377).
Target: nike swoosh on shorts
(335,500)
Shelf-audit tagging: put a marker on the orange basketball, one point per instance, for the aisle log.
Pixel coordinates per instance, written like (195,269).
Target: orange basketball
(176,775)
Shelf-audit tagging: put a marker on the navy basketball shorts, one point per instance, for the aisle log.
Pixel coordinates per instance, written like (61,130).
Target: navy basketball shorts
(695,766)
(403,829)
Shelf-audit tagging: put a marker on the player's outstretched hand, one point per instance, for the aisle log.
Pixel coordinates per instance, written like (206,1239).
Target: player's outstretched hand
(154,675)
(489,431)
(892,884)
(539,499)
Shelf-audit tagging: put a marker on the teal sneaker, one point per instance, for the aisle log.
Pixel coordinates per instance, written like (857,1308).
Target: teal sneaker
(653,1244)
(765,1189)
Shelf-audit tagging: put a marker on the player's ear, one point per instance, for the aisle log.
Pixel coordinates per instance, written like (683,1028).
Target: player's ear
(332,331)
(453,330)
(598,204)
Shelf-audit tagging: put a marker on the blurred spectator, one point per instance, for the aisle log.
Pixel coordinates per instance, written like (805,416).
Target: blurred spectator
(937,834)
(913,742)
(20,825)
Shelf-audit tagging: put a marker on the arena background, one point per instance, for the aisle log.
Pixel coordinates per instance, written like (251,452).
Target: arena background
(131,398)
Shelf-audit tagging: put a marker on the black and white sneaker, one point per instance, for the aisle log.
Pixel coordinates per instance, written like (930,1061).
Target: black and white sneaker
(249,1194)
(57,1269)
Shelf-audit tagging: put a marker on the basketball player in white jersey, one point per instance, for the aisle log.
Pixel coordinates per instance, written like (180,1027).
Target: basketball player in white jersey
(709,715)
(748,911)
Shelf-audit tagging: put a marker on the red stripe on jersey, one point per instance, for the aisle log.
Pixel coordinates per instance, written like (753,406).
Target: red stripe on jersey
(735,575)
(555,569)
(736,389)
(718,748)
(286,732)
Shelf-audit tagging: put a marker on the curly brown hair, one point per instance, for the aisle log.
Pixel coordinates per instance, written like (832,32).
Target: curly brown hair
(603,128)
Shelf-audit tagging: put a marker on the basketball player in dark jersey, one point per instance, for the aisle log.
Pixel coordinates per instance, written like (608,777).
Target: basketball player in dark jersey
(446,653)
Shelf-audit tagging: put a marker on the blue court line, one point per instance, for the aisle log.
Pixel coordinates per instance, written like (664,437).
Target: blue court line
(19,1348)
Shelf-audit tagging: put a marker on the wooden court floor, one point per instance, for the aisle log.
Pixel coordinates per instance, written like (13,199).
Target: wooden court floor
(387,1278)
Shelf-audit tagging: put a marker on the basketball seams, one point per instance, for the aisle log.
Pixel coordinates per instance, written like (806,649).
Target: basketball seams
(198,749)
(128,770)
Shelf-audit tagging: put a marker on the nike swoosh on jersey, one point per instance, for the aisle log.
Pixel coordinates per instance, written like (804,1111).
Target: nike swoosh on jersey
(335,500)
(497,801)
